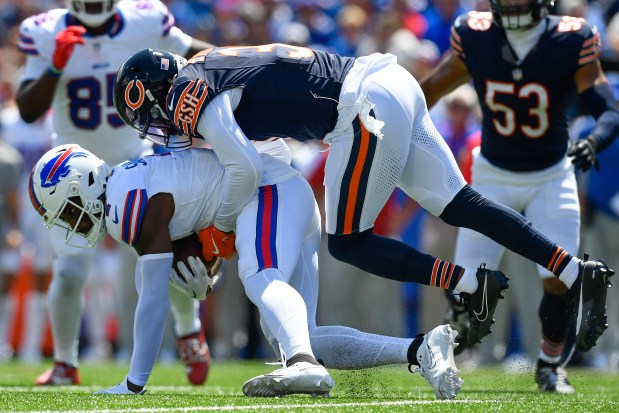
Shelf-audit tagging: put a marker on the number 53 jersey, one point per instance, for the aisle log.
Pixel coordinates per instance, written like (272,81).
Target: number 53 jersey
(524,103)
(83,109)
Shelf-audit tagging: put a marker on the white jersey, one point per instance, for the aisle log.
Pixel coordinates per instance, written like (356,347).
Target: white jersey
(83,105)
(193,177)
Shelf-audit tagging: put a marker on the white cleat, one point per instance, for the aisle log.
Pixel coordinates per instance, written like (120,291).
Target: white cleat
(436,362)
(300,378)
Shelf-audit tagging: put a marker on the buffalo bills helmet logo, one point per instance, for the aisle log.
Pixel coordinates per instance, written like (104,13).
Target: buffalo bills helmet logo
(57,167)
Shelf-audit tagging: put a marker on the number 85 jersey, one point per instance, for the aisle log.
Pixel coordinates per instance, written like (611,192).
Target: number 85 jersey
(83,109)
(524,103)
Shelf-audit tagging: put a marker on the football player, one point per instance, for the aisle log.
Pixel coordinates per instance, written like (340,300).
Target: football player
(373,114)
(540,63)
(72,58)
(141,204)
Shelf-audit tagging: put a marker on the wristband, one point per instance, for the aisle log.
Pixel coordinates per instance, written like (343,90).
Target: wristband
(53,72)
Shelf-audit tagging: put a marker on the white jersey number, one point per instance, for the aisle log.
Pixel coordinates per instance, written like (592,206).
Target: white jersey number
(539,111)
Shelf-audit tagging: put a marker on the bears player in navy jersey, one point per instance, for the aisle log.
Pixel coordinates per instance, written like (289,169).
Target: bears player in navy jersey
(373,114)
(141,204)
(73,54)
(527,68)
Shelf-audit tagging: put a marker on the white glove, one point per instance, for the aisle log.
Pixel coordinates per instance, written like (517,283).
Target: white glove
(120,389)
(195,283)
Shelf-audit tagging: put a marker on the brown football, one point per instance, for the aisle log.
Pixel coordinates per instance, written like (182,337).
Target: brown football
(191,246)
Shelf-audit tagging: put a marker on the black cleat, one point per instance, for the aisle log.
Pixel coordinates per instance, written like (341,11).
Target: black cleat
(482,303)
(552,378)
(458,319)
(588,302)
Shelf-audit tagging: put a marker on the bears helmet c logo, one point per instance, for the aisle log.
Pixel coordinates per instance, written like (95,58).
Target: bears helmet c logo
(138,102)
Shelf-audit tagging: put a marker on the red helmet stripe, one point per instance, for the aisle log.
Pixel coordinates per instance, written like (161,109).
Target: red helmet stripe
(59,162)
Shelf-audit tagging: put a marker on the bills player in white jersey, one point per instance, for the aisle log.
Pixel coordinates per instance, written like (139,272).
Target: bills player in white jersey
(73,55)
(141,204)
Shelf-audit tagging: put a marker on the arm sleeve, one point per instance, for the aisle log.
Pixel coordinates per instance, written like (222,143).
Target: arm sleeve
(242,163)
(152,273)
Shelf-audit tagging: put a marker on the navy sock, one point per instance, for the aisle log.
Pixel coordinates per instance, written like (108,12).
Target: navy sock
(469,209)
(393,259)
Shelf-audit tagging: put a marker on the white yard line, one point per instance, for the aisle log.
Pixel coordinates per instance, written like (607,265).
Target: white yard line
(264,407)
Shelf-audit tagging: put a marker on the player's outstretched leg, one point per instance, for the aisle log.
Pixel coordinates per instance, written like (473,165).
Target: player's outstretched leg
(302,374)
(588,300)
(436,362)
(195,355)
(481,304)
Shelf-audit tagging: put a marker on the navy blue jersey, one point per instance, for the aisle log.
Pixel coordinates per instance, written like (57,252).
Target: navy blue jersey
(288,91)
(524,105)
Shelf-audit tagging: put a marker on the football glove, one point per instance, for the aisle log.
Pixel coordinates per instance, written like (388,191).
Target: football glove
(121,388)
(216,243)
(65,42)
(195,283)
(583,151)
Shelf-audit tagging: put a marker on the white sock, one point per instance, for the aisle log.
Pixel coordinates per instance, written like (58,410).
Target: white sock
(570,272)
(185,312)
(282,309)
(34,324)
(349,349)
(468,283)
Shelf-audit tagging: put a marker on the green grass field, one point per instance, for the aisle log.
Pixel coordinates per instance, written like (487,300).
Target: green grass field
(390,389)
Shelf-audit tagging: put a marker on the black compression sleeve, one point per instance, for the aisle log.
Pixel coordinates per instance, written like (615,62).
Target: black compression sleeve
(601,102)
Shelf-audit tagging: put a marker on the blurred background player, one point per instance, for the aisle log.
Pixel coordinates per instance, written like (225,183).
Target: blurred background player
(524,160)
(10,239)
(32,141)
(73,55)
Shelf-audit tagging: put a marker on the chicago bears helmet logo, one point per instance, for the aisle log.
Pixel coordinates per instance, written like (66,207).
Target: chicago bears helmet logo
(136,103)
(57,167)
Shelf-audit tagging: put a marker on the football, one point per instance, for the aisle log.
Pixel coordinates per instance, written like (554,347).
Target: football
(191,246)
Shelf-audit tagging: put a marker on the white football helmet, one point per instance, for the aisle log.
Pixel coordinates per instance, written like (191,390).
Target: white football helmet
(92,13)
(67,188)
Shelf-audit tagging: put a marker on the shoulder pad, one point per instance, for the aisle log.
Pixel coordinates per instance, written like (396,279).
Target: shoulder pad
(475,20)
(580,34)
(185,103)
(37,32)
(149,14)
(124,216)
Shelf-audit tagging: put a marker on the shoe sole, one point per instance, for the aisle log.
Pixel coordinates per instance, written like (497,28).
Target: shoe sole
(480,329)
(278,386)
(591,314)
(450,384)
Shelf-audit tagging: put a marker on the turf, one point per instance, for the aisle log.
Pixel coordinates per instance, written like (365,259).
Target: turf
(390,389)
